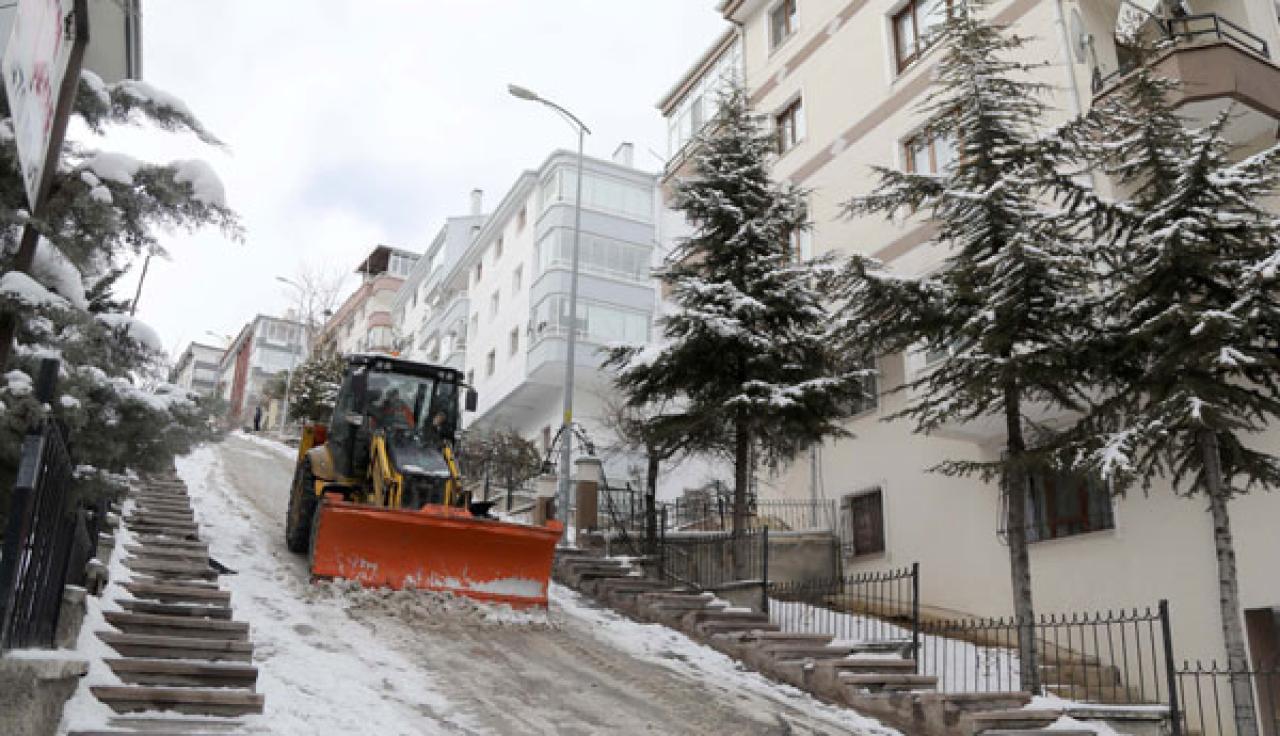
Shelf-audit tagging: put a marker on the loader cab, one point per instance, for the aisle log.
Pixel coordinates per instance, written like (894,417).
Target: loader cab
(409,399)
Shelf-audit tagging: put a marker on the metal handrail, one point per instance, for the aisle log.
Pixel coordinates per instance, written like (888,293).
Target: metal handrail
(1180,30)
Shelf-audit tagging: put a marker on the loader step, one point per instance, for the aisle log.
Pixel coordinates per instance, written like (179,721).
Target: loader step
(183,673)
(176,609)
(160,625)
(177,647)
(182,700)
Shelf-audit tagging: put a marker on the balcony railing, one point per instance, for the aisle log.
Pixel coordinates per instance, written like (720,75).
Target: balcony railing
(1193,29)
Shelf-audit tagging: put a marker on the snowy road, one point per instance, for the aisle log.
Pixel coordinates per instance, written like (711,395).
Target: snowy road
(339,660)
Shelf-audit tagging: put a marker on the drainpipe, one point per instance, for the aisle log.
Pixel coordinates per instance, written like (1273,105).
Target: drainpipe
(1069,57)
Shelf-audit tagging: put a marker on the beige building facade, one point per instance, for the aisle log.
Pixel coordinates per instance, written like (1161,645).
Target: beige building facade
(841,81)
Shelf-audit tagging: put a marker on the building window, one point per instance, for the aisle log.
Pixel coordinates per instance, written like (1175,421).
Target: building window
(517,279)
(863,520)
(497,249)
(514,340)
(523,218)
(1063,504)
(917,27)
(870,398)
(782,22)
(490,362)
(493,305)
(475,325)
(800,240)
(596,254)
(922,155)
(471,377)
(790,125)
(546,438)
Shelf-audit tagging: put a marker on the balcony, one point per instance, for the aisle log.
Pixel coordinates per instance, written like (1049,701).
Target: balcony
(1217,62)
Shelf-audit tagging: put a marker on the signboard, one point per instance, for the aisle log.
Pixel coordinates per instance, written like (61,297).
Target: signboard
(41,72)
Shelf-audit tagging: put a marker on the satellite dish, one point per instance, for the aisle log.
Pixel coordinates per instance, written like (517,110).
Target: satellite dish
(1080,35)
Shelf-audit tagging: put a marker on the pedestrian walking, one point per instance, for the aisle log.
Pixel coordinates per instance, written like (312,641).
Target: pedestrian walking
(257,419)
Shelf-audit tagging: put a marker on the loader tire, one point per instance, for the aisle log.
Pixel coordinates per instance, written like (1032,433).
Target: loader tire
(302,507)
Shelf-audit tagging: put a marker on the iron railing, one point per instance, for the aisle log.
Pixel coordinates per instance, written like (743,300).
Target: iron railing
(38,543)
(709,561)
(787,515)
(1189,29)
(1205,693)
(868,608)
(1113,658)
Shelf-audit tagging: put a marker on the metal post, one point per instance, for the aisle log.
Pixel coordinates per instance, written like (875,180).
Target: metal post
(915,614)
(764,571)
(288,385)
(662,545)
(1171,671)
(567,449)
(137,295)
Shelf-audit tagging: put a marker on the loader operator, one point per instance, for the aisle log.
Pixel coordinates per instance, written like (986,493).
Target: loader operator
(393,411)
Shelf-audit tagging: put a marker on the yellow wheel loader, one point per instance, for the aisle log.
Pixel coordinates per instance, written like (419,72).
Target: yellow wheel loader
(377,496)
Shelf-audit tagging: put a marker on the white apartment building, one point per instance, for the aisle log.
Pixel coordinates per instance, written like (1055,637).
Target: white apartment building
(497,305)
(197,369)
(420,306)
(363,323)
(841,80)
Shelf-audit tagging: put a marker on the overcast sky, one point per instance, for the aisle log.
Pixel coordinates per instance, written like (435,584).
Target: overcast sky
(356,122)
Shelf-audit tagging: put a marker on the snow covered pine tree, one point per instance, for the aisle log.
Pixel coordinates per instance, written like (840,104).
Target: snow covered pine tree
(314,388)
(1008,305)
(746,349)
(102,209)
(1193,321)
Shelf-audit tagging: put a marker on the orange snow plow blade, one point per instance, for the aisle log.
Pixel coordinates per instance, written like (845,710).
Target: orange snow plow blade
(437,548)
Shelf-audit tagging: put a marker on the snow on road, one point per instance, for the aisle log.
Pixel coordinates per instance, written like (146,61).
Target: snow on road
(336,659)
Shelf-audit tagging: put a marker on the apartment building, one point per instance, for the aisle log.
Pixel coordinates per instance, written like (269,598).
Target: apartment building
(263,349)
(841,81)
(430,321)
(496,306)
(363,323)
(197,369)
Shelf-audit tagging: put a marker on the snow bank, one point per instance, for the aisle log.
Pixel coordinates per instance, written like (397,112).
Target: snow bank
(22,288)
(204,181)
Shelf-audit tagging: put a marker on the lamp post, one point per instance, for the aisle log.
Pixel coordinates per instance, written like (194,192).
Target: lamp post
(566,429)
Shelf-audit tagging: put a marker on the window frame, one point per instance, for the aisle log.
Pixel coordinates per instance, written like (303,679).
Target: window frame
(491,363)
(1045,522)
(789,12)
(849,503)
(917,10)
(907,146)
(791,117)
(513,341)
(517,279)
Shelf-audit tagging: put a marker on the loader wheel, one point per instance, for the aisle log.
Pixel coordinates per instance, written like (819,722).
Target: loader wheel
(302,507)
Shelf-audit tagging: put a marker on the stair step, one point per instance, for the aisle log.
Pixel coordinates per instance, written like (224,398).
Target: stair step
(183,673)
(1022,719)
(160,625)
(171,592)
(198,701)
(787,636)
(152,541)
(722,615)
(177,647)
(1038,732)
(729,627)
(149,724)
(171,568)
(796,653)
(868,665)
(889,681)
(168,553)
(176,609)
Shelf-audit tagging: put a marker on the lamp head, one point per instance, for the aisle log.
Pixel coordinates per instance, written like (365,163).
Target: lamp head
(524,94)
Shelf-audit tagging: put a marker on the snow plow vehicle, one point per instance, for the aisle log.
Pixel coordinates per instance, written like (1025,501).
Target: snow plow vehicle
(377,496)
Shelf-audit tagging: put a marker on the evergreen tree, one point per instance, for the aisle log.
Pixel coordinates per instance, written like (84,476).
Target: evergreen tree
(1009,305)
(313,392)
(1193,320)
(746,348)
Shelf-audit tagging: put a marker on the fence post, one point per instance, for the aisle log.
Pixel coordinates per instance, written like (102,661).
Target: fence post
(1171,672)
(662,544)
(915,614)
(764,571)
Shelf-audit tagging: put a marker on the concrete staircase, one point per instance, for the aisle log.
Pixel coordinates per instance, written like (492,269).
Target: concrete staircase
(180,650)
(874,680)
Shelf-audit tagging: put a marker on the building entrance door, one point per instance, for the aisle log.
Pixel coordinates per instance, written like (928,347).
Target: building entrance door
(1262,626)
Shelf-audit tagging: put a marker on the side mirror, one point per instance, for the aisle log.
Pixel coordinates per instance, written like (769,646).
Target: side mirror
(472,400)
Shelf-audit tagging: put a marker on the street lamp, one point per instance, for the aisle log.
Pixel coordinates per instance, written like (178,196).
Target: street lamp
(566,429)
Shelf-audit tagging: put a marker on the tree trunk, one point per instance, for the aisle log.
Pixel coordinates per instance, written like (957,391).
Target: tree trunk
(651,505)
(741,473)
(1016,482)
(1228,587)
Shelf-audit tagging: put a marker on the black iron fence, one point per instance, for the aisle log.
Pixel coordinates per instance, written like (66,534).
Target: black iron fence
(40,542)
(708,561)
(1113,658)
(1207,700)
(869,608)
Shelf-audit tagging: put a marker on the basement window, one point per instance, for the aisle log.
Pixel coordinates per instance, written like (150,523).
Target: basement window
(862,518)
